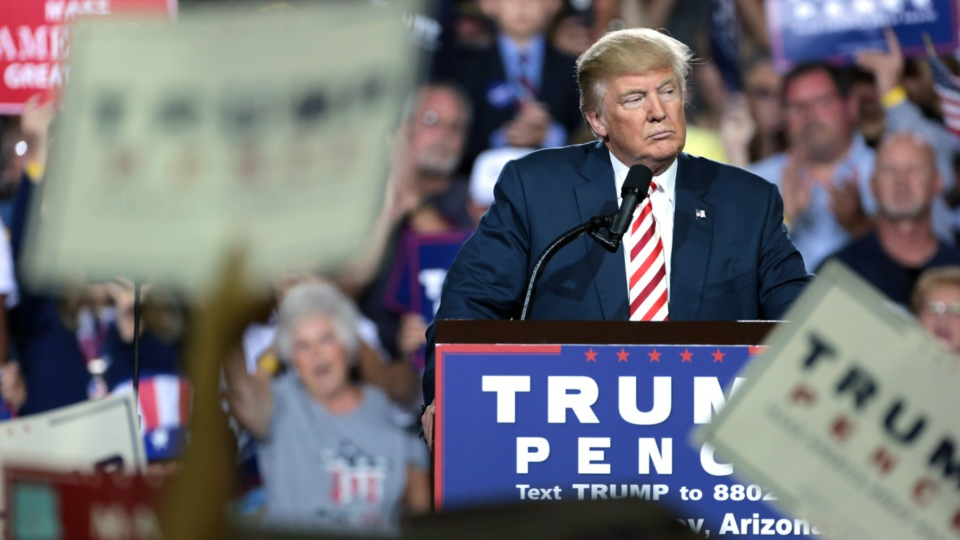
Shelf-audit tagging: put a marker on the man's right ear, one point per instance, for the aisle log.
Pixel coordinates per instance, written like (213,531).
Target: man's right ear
(596,124)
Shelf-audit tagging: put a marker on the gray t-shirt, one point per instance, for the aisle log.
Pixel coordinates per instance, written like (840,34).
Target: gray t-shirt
(335,471)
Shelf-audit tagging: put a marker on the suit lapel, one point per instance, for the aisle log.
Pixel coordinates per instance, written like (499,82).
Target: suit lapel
(599,196)
(692,239)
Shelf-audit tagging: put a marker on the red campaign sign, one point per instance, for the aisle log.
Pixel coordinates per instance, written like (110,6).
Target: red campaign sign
(34,42)
(99,506)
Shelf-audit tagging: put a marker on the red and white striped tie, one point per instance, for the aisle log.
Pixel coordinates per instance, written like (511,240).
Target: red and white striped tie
(647,268)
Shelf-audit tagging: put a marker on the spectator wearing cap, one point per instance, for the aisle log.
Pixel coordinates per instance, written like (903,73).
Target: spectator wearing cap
(905,183)
(329,453)
(483,178)
(936,303)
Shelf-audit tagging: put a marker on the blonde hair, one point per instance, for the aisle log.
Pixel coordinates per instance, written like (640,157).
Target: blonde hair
(944,276)
(634,50)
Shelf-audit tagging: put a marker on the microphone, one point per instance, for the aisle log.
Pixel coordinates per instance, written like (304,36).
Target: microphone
(634,190)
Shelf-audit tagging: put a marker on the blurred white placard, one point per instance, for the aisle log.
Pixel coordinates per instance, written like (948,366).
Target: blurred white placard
(93,435)
(261,130)
(850,418)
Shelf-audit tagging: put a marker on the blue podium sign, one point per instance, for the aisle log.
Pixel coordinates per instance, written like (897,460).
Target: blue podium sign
(549,422)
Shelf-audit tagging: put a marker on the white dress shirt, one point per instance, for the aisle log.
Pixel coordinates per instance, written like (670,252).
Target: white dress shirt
(663,205)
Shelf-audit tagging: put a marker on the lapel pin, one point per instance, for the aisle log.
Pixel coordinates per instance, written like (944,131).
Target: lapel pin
(701,214)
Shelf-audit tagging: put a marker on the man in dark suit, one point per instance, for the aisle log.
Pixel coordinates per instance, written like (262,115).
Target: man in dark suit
(707,243)
(521,88)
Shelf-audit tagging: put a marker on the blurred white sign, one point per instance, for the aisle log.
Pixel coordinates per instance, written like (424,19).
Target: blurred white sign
(850,418)
(264,131)
(93,435)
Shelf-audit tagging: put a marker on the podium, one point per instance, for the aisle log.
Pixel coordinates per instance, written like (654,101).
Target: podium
(548,410)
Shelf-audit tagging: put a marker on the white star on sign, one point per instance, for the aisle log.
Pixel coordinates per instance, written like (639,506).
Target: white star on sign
(160,438)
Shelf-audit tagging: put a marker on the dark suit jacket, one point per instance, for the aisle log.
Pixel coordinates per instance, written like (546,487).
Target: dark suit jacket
(736,263)
(558,90)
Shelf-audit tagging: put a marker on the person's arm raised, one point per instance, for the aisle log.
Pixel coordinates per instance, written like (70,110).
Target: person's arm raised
(249,396)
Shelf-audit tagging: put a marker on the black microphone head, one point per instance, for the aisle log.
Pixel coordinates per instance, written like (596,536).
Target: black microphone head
(638,181)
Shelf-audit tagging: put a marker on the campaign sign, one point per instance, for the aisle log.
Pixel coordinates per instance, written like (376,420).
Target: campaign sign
(34,42)
(431,256)
(835,30)
(851,417)
(580,422)
(56,503)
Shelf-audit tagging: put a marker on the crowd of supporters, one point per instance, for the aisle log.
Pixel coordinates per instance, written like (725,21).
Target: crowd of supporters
(325,393)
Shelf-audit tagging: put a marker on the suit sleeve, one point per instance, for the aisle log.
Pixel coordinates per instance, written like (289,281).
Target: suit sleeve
(782,272)
(488,277)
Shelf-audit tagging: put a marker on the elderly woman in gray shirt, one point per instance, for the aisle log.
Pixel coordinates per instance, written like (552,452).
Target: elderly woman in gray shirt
(329,454)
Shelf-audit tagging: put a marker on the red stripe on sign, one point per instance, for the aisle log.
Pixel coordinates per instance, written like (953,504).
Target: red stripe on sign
(499,349)
(148,404)
(438,426)
(335,487)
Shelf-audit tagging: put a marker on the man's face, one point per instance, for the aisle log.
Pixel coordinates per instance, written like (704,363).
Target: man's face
(642,119)
(940,315)
(819,121)
(520,19)
(437,132)
(906,179)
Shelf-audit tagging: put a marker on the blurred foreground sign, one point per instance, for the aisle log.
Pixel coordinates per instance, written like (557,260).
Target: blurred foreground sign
(97,435)
(264,131)
(851,418)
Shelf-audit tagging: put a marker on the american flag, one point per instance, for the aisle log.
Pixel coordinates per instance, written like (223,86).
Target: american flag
(165,401)
(947,86)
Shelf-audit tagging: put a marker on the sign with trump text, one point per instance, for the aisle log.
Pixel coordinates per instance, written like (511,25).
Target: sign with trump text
(586,422)
(836,30)
(858,410)
(219,146)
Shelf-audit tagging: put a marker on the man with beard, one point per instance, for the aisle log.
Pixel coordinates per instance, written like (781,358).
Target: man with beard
(824,176)
(424,195)
(905,183)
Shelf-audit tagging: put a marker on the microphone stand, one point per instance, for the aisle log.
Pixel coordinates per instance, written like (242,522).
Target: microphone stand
(591,228)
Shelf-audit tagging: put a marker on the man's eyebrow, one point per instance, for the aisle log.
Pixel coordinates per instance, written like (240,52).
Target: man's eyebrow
(667,82)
